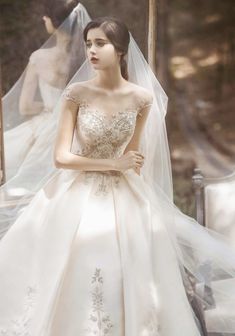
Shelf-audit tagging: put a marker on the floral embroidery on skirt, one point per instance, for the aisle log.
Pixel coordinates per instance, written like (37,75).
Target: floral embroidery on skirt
(101,324)
(105,180)
(20,325)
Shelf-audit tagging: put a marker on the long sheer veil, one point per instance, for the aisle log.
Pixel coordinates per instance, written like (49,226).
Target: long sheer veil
(206,261)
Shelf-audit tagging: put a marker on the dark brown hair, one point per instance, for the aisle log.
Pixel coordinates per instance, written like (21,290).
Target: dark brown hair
(59,10)
(118,34)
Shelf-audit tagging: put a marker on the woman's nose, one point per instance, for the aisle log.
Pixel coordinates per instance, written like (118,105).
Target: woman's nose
(93,48)
(92,53)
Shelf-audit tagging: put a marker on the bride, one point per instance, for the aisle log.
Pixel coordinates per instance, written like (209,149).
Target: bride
(28,105)
(101,249)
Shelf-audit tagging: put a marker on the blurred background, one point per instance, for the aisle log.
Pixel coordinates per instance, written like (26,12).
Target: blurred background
(195,58)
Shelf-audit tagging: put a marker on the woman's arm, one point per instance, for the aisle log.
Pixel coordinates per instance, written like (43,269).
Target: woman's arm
(140,123)
(63,158)
(27,104)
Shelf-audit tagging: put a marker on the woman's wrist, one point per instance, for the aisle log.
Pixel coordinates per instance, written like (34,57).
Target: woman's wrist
(113,164)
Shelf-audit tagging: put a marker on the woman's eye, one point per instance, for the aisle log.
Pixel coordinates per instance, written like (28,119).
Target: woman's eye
(97,44)
(100,44)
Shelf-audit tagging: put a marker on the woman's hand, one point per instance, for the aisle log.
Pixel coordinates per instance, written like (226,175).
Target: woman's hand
(131,159)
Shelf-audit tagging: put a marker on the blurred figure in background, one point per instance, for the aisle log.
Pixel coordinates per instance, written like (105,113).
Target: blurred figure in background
(28,105)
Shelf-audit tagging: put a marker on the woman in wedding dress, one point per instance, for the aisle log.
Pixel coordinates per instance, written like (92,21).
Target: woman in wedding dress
(101,249)
(36,93)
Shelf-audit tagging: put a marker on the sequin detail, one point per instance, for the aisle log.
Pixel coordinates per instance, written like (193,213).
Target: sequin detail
(103,136)
(68,96)
(103,181)
(100,323)
(20,325)
(142,106)
(100,135)
(83,103)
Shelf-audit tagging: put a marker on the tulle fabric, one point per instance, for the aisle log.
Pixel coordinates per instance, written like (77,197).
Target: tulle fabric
(167,257)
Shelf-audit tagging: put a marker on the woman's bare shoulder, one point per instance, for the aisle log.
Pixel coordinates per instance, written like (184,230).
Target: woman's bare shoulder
(79,87)
(142,94)
(76,92)
(38,56)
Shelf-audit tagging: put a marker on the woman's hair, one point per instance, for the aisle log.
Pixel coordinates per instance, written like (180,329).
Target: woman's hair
(59,10)
(118,34)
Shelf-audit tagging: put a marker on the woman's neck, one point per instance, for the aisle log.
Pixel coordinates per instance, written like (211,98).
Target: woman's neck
(110,79)
(62,40)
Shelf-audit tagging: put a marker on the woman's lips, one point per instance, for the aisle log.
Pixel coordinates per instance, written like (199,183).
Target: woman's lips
(94,59)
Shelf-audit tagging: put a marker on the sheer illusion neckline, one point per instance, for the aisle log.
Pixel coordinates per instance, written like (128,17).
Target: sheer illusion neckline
(84,105)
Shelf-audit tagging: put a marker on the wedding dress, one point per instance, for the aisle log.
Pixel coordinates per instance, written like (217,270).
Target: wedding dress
(108,253)
(68,265)
(70,245)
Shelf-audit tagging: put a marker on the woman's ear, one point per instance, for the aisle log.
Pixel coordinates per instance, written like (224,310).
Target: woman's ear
(120,55)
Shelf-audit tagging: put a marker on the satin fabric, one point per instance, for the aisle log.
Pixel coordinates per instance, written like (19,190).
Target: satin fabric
(72,232)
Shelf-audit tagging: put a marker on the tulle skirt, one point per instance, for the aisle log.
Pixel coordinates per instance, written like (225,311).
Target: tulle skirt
(101,253)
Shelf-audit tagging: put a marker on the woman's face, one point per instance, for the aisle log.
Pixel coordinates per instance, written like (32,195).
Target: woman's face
(48,24)
(100,51)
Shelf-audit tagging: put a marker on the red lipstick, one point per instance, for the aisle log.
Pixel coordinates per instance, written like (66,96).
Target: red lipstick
(94,59)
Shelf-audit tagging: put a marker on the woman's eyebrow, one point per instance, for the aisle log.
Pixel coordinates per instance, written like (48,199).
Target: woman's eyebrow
(98,39)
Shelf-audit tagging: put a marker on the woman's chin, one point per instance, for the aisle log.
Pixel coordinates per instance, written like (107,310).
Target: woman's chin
(95,66)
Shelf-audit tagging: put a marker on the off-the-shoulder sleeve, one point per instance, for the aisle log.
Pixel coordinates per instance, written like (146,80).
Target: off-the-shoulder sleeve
(143,104)
(69,94)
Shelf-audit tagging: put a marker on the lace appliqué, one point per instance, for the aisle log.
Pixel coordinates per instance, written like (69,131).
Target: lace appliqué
(68,96)
(20,325)
(142,105)
(104,181)
(105,136)
(100,321)
(82,103)
(102,135)
(151,326)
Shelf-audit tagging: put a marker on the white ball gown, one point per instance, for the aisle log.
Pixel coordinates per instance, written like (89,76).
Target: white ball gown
(74,262)
(104,253)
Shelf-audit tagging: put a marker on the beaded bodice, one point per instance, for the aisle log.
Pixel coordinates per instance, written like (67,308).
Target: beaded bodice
(100,135)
